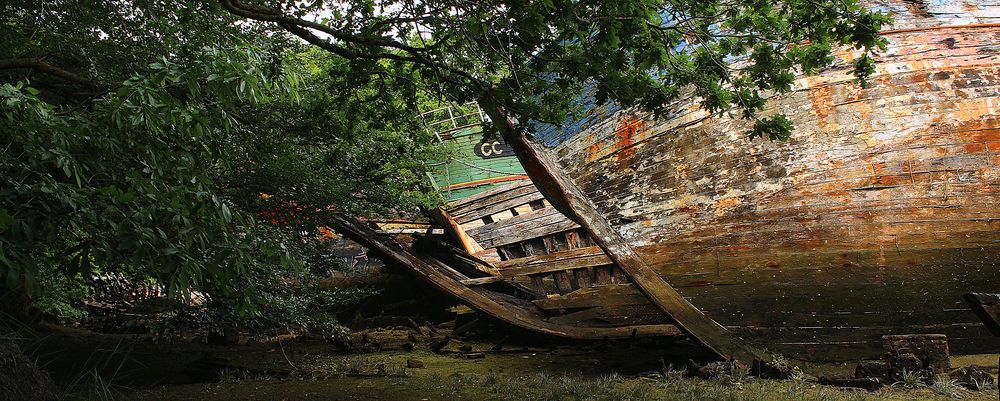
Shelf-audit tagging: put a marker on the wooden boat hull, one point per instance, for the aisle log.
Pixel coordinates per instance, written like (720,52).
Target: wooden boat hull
(874,219)
(878,214)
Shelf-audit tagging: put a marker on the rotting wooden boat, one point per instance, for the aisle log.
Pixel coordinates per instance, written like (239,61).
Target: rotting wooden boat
(882,210)
(879,213)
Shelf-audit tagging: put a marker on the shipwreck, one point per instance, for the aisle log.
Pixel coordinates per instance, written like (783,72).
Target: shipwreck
(873,219)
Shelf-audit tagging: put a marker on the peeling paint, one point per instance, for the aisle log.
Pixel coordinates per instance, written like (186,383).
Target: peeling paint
(882,196)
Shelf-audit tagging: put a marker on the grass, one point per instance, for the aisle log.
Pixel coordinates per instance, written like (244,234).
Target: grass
(910,380)
(731,383)
(563,374)
(543,387)
(364,365)
(948,387)
(101,376)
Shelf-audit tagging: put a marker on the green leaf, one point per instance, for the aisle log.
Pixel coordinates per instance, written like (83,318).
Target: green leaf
(6,220)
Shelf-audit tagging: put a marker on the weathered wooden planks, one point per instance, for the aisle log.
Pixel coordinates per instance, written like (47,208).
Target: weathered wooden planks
(621,315)
(893,184)
(987,308)
(549,177)
(447,280)
(569,254)
(607,295)
(885,183)
(545,221)
(504,201)
(474,201)
(455,231)
(481,280)
(559,265)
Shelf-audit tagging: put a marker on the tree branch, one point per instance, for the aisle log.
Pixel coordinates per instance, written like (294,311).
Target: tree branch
(39,65)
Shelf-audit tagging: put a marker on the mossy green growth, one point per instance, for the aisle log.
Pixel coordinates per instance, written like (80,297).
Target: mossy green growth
(519,376)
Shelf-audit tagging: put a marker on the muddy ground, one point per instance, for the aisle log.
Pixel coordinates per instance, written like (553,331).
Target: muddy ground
(382,366)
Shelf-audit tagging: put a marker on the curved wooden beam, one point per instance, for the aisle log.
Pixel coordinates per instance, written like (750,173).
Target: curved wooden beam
(562,192)
(508,313)
(454,230)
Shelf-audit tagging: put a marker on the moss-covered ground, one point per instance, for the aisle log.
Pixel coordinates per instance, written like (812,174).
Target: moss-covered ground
(297,371)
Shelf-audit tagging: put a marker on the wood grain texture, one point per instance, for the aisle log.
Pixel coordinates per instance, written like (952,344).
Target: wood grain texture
(566,196)
(447,280)
(885,199)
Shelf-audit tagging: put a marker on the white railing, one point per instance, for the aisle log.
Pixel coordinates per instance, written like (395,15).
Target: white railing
(453,117)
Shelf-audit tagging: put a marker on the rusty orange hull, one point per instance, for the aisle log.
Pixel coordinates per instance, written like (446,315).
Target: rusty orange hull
(875,217)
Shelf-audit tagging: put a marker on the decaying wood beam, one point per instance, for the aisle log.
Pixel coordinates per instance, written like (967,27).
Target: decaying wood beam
(556,266)
(474,201)
(987,308)
(491,209)
(606,295)
(570,254)
(559,189)
(391,252)
(481,280)
(454,230)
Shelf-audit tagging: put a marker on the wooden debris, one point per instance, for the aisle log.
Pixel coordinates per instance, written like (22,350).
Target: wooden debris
(556,266)
(773,369)
(564,195)
(499,345)
(929,350)
(414,364)
(471,324)
(482,280)
(415,326)
(608,295)
(973,377)
(872,369)
(987,308)
(454,230)
(566,255)
(437,343)
(441,276)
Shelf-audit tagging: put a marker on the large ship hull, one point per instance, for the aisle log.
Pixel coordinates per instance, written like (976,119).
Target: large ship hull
(882,209)
(874,219)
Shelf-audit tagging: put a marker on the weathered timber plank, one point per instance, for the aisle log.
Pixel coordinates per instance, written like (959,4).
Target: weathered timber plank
(555,266)
(481,280)
(574,240)
(474,201)
(583,277)
(552,257)
(532,246)
(516,229)
(553,243)
(560,190)
(563,284)
(493,208)
(455,231)
(575,318)
(987,308)
(602,274)
(390,252)
(605,316)
(538,286)
(487,231)
(608,295)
